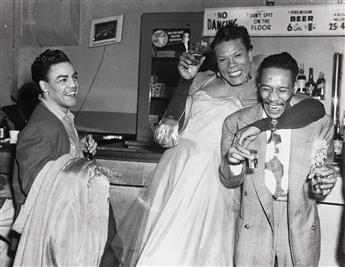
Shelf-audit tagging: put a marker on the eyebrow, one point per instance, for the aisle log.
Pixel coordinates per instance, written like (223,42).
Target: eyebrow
(232,52)
(238,50)
(66,76)
(280,87)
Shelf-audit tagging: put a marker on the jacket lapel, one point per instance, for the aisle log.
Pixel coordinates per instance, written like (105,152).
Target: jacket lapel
(258,177)
(300,147)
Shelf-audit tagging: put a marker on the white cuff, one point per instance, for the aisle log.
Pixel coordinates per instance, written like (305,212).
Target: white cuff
(236,169)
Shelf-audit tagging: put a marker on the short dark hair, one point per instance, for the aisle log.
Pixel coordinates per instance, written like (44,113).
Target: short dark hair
(282,61)
(232,31)
(40,67)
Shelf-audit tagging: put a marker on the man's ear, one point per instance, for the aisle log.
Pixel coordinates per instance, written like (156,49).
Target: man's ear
(43,86)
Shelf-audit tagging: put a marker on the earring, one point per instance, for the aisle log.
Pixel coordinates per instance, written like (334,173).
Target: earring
(219,75)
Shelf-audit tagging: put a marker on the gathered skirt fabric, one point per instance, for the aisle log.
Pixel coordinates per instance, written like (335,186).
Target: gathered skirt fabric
(185,216)
(191,218)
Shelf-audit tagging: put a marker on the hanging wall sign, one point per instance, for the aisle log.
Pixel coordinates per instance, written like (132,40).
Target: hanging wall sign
(312,20)
(165,37)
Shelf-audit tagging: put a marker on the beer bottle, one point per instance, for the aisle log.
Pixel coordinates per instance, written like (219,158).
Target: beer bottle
(310,85)
(338,142)
(321,85)
(301,79)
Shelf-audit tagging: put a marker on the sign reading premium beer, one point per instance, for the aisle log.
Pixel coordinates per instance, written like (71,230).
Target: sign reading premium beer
(298,20)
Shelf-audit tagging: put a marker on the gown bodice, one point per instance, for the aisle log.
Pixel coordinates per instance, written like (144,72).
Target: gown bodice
(207,115)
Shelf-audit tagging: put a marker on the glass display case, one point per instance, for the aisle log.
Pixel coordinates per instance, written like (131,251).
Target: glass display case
(160,48)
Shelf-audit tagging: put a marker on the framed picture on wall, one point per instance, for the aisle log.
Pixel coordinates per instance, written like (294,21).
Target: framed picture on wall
(106,31)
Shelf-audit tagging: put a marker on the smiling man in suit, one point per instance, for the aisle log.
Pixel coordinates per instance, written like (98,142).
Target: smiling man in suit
(278,223)
(51,133)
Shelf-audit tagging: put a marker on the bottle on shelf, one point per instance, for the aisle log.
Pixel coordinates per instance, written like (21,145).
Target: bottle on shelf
(310,85)
(321,86)
(4,129)
(343,152)
(186,39)
(338,142)
(301,80)
(343,133)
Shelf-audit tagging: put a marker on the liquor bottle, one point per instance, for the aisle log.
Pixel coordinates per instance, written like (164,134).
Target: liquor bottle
(343,152)
(4,129)
(301,79)
(186,39)
(321,86)
(338,142)
(343,133)
(310,85)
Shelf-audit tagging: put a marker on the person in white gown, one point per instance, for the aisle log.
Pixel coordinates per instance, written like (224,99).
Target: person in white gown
(187,215)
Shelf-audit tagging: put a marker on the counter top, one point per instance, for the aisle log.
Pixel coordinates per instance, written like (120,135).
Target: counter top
(7,151)
(116,151)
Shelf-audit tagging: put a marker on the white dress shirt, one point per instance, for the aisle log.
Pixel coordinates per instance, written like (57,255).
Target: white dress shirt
(67,119)
(283,156)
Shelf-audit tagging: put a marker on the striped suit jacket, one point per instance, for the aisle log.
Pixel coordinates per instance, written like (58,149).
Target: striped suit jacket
(254,233)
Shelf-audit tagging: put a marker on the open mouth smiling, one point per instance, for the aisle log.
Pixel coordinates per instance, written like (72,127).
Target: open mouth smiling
(71,93)
(274,107)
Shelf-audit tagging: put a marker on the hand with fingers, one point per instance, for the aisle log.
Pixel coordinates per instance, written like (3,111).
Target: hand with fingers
(324,178)
(247,135)
(238,152)
(166,133)
(89,145)
(186,67)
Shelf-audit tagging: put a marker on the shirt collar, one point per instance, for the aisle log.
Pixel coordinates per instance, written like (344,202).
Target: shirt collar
(56,110)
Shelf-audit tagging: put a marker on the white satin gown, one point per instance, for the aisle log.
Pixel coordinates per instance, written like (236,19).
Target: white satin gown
(191,217)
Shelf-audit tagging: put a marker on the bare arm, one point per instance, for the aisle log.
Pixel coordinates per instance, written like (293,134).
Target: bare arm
(167,132)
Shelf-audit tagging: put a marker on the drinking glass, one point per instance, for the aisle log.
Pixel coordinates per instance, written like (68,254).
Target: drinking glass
(316,180)
(197,52)
(252,164)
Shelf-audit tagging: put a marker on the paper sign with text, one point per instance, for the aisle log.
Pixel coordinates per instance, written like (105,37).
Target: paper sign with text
(298,20)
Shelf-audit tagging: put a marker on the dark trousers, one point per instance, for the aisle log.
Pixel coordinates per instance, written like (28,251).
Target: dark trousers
(108,258)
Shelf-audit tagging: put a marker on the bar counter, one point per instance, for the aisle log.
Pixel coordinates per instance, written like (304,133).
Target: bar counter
(131,170)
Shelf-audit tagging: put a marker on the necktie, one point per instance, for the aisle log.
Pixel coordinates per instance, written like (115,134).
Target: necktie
(276,139)
(275,166)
